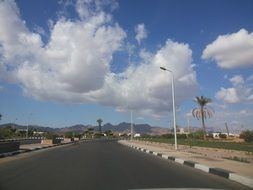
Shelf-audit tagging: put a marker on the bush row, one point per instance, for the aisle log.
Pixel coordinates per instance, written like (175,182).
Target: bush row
(246,135)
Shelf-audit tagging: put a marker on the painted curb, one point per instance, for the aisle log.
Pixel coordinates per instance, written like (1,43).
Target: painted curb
(216,171)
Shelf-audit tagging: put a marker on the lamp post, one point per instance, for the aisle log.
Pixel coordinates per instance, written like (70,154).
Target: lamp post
(130,52)
(173,102)
(27,127)
(132,130)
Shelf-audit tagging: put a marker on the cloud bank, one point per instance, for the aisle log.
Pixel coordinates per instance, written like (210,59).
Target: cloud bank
(74,65)
(231,50)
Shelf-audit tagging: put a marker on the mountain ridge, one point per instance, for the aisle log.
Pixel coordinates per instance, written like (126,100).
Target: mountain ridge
(122,127)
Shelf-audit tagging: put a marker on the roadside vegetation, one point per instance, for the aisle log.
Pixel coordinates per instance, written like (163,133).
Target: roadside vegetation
(247,136)
(196,139)
(202,111)
(201,138)
(10,132)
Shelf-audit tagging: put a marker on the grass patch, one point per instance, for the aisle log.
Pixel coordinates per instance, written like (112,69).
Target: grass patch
(235,158)
(210,144)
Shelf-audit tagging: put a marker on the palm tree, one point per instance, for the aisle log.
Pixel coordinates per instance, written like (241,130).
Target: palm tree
(202,111)
(99,123)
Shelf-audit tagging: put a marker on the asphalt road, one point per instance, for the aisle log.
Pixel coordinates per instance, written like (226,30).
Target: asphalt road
(101,165)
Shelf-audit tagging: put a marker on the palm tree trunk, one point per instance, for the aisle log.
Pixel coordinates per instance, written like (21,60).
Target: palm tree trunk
(203,123)
(99,127)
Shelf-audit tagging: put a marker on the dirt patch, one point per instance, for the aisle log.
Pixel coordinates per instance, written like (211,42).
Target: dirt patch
(206,158)
(206,153)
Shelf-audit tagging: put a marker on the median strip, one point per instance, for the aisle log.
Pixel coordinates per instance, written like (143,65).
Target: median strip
(3,155)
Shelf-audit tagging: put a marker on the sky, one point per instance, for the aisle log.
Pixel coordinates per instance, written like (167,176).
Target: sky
(72,62)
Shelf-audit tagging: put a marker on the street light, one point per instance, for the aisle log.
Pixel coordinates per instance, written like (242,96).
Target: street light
(130,51)
(132,130)
(173,102)
(27,128)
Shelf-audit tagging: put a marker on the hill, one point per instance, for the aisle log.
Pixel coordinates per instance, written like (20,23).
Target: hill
(79,128)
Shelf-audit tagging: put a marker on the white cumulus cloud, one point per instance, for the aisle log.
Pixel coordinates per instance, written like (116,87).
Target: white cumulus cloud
(231,50)
(146,88)
(74,61)
(141,32)
(228,95)
(236,80)
(74,66)
(240,92)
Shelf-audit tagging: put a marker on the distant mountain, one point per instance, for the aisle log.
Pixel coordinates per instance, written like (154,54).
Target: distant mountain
(138,128)
(79,128)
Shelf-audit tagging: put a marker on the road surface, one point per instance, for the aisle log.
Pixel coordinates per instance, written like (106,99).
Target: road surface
(101,165)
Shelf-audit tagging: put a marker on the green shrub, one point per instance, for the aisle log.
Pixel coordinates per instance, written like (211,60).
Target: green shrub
(48,135)
(69,134)
(167,136)
(222,136)
(181,136)
(247,136)
(98,135)
(197,134)
(145,136)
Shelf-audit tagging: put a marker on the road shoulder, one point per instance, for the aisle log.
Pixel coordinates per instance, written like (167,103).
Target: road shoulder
(214,166)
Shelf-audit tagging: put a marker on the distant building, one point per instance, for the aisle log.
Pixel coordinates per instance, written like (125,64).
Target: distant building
(216,135)
(21,130)
(181,130)
(38,132)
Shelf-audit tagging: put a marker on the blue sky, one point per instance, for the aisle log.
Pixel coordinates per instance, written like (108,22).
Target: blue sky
(70,62)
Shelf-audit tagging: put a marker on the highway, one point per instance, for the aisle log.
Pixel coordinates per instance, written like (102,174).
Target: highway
(101,165)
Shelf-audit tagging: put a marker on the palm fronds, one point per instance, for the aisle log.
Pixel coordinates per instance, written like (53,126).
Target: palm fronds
(207,114)
(203,112)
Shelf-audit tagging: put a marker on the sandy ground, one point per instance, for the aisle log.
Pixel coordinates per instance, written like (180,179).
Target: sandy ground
(206,152)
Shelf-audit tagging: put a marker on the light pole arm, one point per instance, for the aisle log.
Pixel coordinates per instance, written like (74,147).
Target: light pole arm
(132,125)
